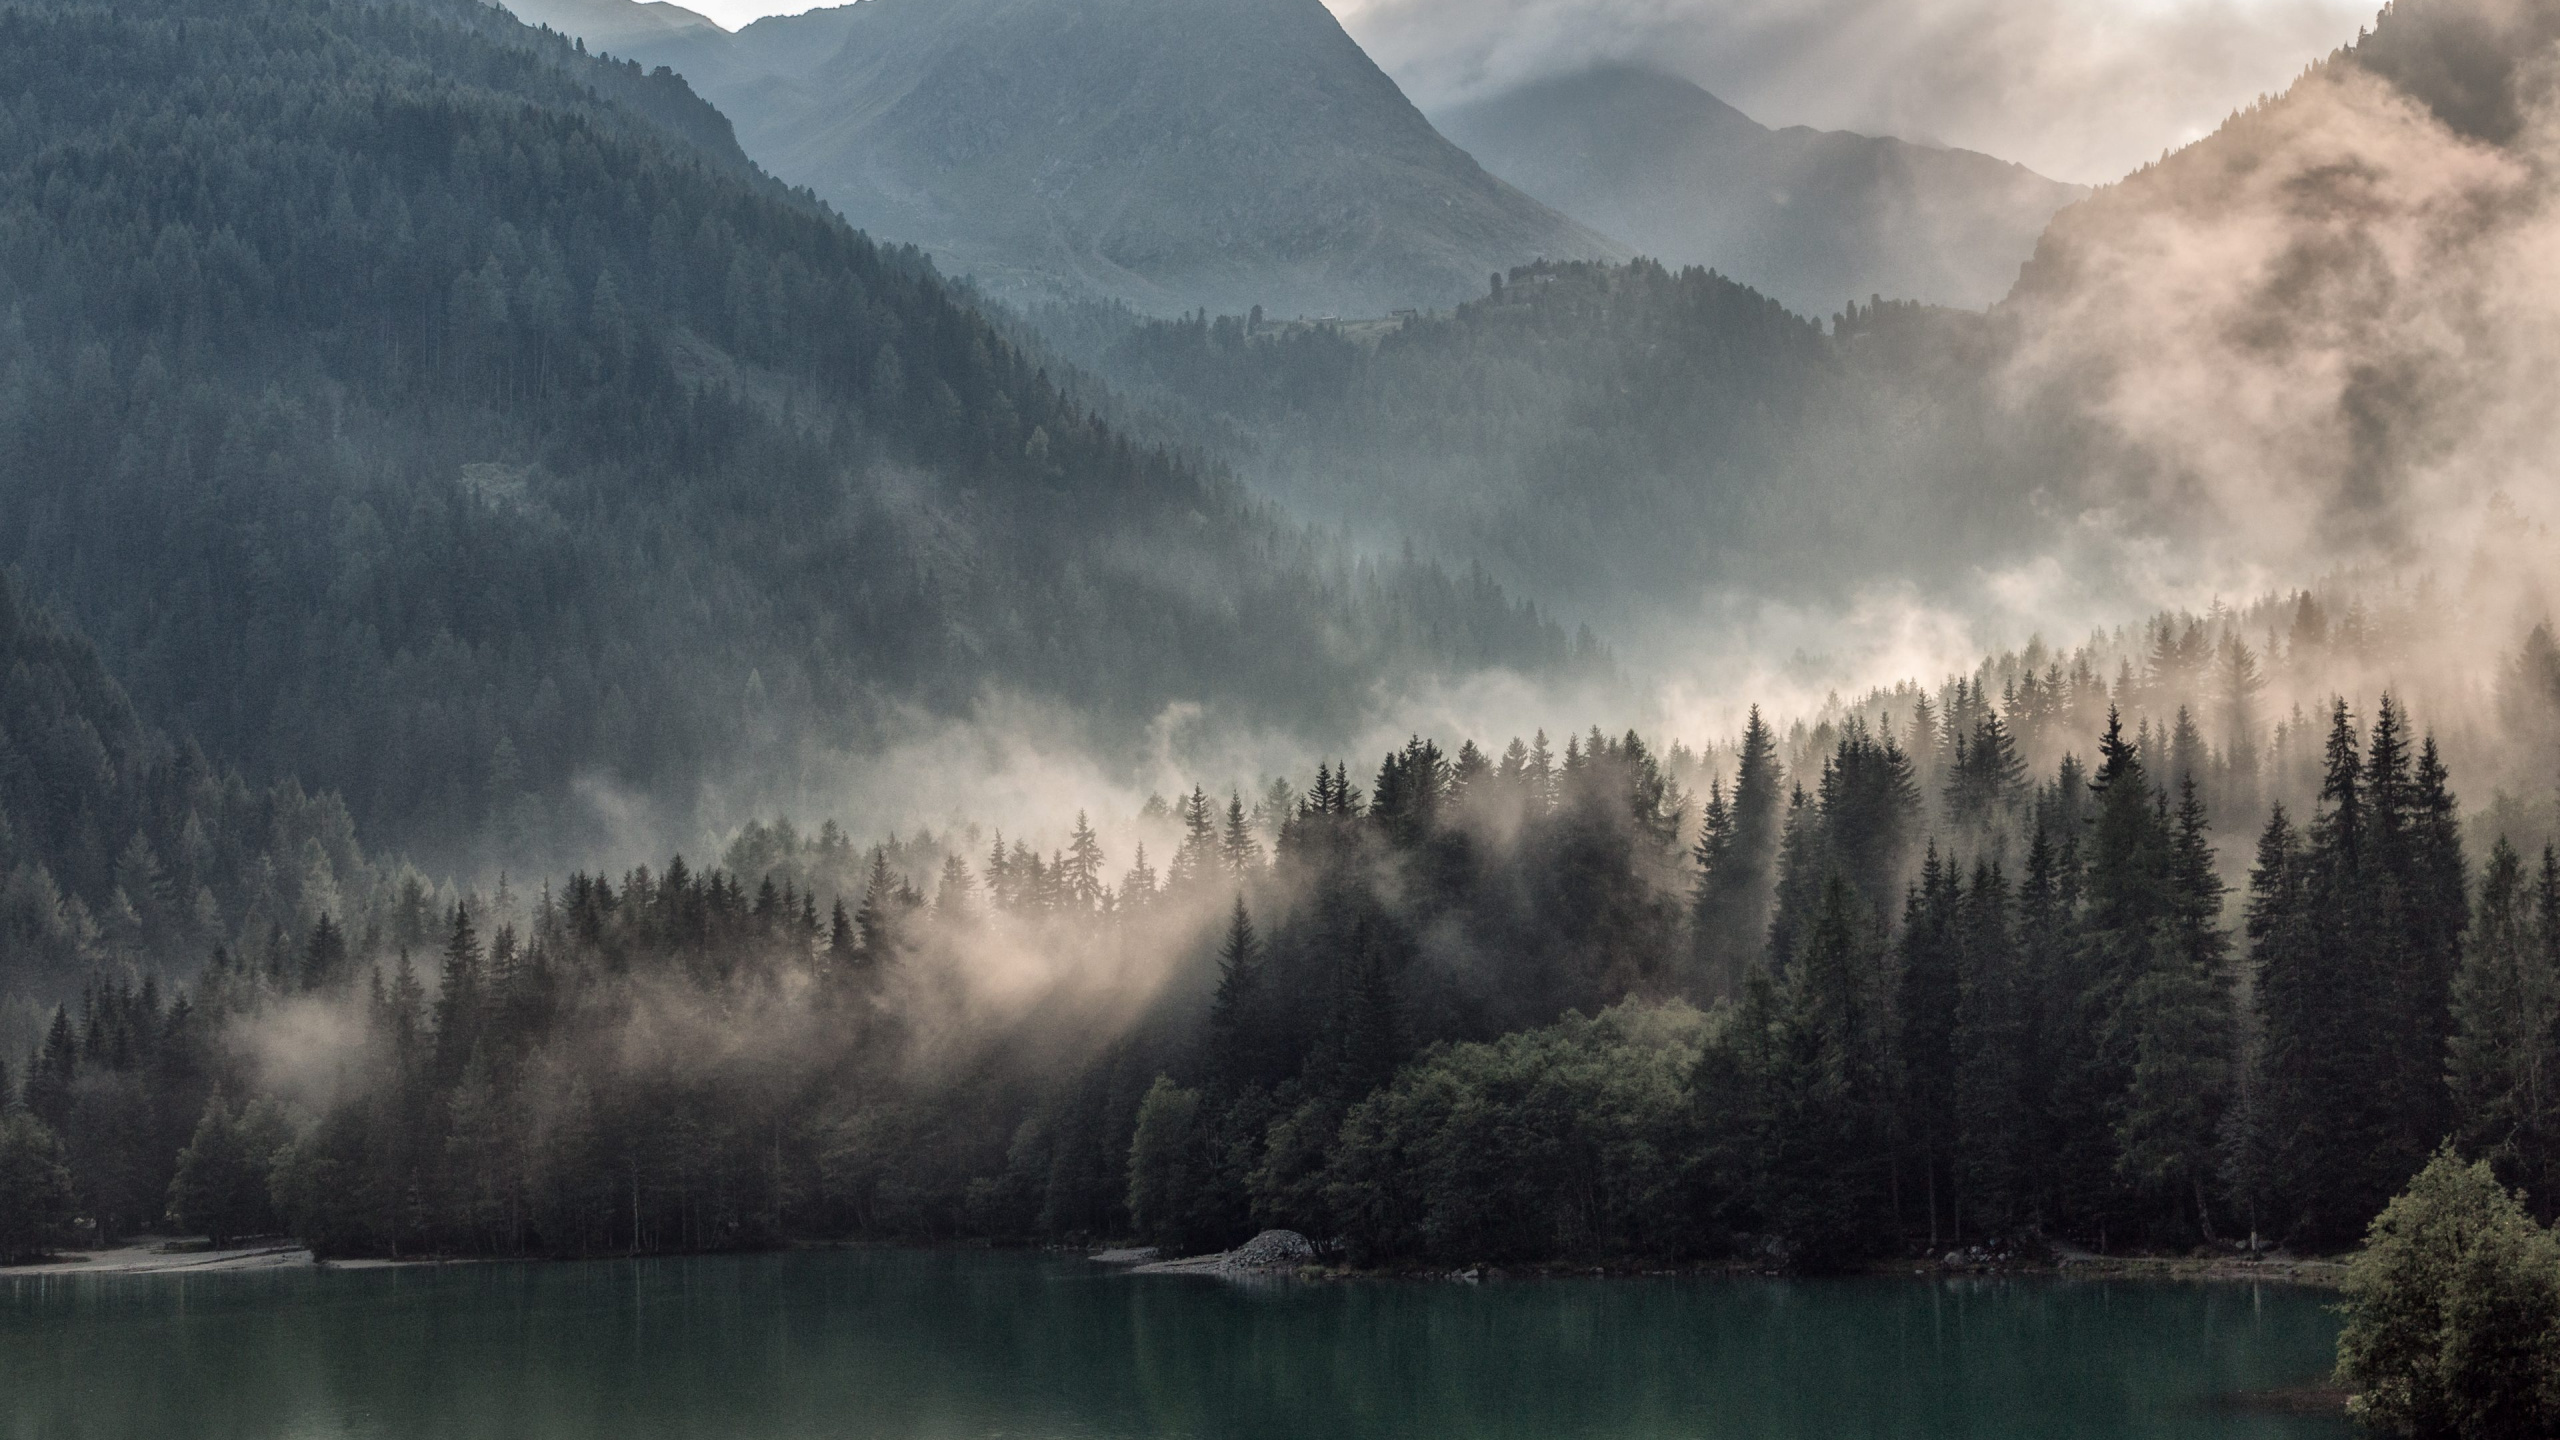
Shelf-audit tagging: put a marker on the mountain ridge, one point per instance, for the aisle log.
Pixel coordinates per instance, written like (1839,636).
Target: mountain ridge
(1816,218)
(1223,154)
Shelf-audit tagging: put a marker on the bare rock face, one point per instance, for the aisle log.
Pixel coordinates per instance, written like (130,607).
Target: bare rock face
(1272,1250)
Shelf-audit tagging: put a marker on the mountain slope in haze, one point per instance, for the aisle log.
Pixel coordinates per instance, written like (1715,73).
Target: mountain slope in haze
(401,411)
(614,24)
(1621,440)
(1170,153)
(1814,218)
(2324,331)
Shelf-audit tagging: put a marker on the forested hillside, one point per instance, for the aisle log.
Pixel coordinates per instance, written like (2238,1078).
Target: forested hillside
(2028,955)
(1619,439)
(410,404)
(121,849)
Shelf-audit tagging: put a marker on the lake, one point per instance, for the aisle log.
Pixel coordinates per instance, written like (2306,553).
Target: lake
(973,1343)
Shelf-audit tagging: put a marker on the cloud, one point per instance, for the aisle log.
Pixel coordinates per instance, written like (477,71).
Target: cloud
(2077,89)
(2325,340)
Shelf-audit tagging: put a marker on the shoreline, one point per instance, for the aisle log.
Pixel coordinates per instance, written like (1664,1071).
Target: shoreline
(2314,1273)
(160,1256)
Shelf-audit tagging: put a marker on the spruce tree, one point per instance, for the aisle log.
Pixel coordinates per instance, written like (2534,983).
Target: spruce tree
(1825,1172)
(1082,882)
(1736,852)
(1237,847)
(461,997)
(1197,858)
(1990,1114)
(844,948)
(2184,1033)
(2504,1003)
(952,903)
(324,955)
(1929,999)
(875,923)
(1233,1011)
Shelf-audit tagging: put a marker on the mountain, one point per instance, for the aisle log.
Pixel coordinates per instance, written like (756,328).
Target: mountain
(411,405)
(614,24)
(1169,153)
(1618,440)
(2321,334)
(1815,218)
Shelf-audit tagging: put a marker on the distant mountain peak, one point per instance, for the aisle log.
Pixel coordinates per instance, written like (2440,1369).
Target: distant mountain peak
(1813,217)
(1172,153)
(613,24)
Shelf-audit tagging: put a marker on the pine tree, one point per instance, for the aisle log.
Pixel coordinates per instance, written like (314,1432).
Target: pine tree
(1990,1115)
(461,997)
(1081,874)
(1736,852)
(1931,983)
(2184,1032)
(1238,848)
(52,1071)
(324,955)
(2506,1007)
(2238,685)
(844,948)
(1824,1177)
(1368,1020)
(1138,887)
(875,923)
(2093,1067)
(1197,858)
(1233,1010)
(952,902)
(1001,890)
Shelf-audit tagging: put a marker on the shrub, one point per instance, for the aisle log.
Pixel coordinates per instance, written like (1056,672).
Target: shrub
(2453,1312)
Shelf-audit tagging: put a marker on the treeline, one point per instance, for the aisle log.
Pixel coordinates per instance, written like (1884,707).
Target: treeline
(1486,1006)
(412,404)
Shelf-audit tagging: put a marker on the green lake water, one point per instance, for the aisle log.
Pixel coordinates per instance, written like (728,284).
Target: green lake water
(932,1344)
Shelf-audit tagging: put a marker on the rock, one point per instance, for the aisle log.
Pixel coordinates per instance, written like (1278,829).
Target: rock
(1272,1250)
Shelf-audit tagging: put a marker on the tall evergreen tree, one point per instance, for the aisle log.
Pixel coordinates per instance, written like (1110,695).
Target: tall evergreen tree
(1082,880)
(1238,850)
(1737,851)
(2506,1010)
(1990,1045)
(1234,1012)
(2184,1032)
(461,996)
(1197,858)
(1930,999)
(1824,1175)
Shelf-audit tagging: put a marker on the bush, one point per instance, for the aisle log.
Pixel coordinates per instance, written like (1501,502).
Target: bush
(1560,1143)
(2453,1312)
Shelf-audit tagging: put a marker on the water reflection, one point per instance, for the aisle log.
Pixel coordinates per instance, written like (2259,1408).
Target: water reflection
(930,1344)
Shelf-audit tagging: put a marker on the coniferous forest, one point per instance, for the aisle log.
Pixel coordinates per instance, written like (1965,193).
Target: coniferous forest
(472,544)
(2009,962)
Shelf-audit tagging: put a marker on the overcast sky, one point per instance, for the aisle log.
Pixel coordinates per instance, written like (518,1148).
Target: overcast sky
(2079,89)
